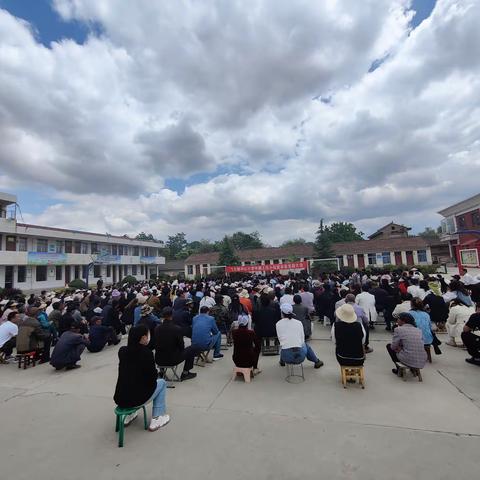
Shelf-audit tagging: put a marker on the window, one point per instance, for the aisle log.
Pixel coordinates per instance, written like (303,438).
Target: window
(97,271)
(476,218)
(190,269)
(84,248)
(109,271)
(372,259)
(77,271)
(461,221)
(68,246)
(42,245)
(59,246)
(386,258)
(448,225)
(276,261)
(41,273)
(142,270)
(84,271)
(422,256)
(94,248)
(22,244)
(134,269)
(21,273)
(267,262)
(114,249)
(58,272)
(136,251)
(78,247)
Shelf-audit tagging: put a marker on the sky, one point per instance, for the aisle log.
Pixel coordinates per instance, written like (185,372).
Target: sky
(213,117)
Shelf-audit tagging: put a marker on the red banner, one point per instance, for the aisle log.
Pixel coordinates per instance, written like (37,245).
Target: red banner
(267,268)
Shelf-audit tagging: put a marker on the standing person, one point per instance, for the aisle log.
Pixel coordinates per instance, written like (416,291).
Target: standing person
(182,316)
(292,340)
(205,333)
(69,348)
(266,317)
(137,382)
(307,298)
(348,335)
(170,348)
(246,346)
(367,301)
(407,344)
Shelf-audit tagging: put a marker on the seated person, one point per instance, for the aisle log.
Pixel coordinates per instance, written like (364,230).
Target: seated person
(246,345)
(69,348)
(457,319)
(170,348)
(471,340)
(99,335)
(8,333)
(407,344)
(182,315)
(348,334)
(137,382)
(303,315)
(205,333)
(220,313)
(32,337)
(292,339)
(150,320)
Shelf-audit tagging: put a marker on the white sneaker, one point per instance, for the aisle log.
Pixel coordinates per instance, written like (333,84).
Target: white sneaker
(130,418)
(256,371)
(156,423)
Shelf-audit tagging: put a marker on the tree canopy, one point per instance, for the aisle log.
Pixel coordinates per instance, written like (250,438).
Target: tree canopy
(343,232)
(227,253)
(323,244)
(293,242)
(430,232)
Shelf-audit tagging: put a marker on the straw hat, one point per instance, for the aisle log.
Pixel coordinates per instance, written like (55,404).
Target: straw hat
(346,313)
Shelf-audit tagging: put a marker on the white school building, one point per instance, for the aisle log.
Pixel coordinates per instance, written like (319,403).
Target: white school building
(34,258)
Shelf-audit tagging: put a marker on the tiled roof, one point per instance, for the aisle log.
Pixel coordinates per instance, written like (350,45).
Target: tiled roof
(171,265)
(343,248)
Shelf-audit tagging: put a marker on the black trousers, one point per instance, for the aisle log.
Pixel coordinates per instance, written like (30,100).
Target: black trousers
(350,362)
(472,342)
(8,346)
(392,353)
(188,356)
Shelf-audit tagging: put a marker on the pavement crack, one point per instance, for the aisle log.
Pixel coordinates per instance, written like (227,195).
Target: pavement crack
(458,388)
(218,394)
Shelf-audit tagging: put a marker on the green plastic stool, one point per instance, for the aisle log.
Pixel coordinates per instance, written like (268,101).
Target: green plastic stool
(121,413)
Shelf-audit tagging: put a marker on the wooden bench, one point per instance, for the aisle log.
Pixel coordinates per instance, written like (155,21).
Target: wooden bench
(352,373)
(402,372)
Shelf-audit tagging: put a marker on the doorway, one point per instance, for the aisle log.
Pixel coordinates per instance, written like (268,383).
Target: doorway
(410,258)
(398,258)
(67,274)
(9,276)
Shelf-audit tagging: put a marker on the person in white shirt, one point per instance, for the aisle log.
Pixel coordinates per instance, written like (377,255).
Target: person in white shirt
(367,301)
(415,291)
(287,297)
(291,336)
(457,318)
(8,332)
(403,307)
(207,301)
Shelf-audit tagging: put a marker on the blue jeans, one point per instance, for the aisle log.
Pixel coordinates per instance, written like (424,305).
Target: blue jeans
(297,355)
(158,399)
(216,343)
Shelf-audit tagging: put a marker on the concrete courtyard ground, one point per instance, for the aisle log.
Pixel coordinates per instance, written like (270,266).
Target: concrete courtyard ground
(61,425)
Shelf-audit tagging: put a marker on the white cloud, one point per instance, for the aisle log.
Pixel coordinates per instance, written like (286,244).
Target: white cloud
(171,89)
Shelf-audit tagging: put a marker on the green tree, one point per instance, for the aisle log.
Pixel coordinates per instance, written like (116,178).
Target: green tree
(343,232)
(176,245)
(430,233)
(323,244)
(293,242)
(245,241)
(146,237)
(227,253)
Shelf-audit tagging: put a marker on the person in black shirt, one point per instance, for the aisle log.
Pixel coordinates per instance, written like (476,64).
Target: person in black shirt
(470,340)
(170,348)
(99,335)
(137,382)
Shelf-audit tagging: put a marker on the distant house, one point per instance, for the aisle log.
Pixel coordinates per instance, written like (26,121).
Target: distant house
(461,230)
(392,230)
(387,248)
(173,268)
